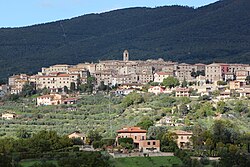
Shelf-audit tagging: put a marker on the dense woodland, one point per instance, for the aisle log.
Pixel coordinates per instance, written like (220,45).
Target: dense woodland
(217,32)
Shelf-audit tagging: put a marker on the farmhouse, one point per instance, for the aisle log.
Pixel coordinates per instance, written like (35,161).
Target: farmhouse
(183,140)
(79,135)
(52,99)
(8,116)
(139,138)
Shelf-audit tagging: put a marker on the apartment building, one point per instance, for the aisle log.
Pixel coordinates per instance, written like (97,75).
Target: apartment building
(124,79)
(63,68)
(170,67)
(200,67)
(56,81)
(241,75)
(233,68)
(16,83)
(213,72)
(184,71)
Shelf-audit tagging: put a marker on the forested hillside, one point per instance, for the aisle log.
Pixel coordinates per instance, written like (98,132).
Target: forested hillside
(216,32)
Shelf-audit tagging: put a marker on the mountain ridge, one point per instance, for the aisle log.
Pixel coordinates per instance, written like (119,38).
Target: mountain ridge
(216,32)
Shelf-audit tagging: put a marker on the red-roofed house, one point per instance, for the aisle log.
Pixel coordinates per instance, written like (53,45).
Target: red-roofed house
(156,89)
(182,92)
(139,137)
(70,101)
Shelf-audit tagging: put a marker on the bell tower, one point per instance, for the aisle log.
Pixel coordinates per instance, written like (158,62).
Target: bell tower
(125,55)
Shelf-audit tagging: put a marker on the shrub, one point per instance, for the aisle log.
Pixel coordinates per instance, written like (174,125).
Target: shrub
(204,161)
(108,142)
(125,140)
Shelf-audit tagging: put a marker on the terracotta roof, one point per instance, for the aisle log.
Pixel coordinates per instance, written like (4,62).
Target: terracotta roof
(182,89)
(45,96)
(63,75)
(182,132)
(71,99)
(163,73)
(132,130)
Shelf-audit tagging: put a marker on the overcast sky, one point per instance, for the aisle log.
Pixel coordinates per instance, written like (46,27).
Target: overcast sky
(17,13)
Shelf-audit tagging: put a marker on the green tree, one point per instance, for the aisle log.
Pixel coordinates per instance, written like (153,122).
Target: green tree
(153,83)
(85,159)
(72,86)
(5,160)
(23,133)
(248,79)
(241,107)
(202,73)
(12,97)
(225,132)
(45,91)
(222,107)
(221,83)
(28,90)
(145,123)
(183,109)
(170,82)
(132,98)
(156,132)
(94,135)
(184,83)
(89,86)
(44,141)
(168,142)
(43,164)
(66,89)
(102,86)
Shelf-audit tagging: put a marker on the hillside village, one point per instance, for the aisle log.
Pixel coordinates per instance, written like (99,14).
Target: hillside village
(148,108)
(127,75)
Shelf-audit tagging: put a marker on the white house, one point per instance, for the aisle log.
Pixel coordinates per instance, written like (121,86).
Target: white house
(52,99)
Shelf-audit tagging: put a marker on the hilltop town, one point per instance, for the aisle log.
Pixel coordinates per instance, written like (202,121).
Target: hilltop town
(130,108)
(126,75)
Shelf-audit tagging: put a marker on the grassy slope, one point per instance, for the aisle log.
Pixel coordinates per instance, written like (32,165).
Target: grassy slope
(146,161)
(28,163)
(93,113)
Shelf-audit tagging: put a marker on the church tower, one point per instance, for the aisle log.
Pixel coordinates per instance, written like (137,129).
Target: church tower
(125,55)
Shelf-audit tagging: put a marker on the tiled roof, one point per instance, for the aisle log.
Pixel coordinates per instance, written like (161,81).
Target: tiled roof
(182,132)
(132,130)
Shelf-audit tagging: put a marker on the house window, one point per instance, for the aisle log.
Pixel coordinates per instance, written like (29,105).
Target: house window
(153,142)
(148,143)
(142,137)
(135,137)
(181,137)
